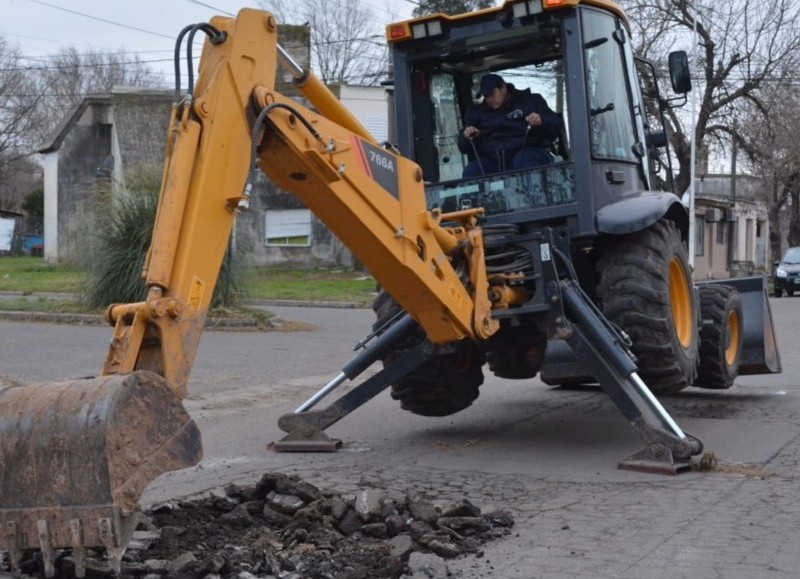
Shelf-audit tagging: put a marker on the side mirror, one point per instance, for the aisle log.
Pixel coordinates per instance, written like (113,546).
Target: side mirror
(679,73)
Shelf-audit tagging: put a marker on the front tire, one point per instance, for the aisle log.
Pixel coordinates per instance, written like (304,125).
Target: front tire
(720,337)
(517,352)
(645,288)
(443,385)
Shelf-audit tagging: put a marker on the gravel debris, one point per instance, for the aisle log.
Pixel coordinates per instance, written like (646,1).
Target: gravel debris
(286,528)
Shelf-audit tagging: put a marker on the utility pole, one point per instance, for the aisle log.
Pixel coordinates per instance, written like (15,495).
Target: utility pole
(693,153)
(733,238)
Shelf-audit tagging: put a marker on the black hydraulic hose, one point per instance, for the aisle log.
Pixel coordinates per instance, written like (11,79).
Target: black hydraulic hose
(610,326)
(599,334)
(567,263)
(386,342)
(259,122)
(216,37)
(176,60)
(258,126)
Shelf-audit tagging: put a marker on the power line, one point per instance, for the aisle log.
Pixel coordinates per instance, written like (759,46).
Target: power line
(85,65)
(371,39)
(55,7)
(210,7)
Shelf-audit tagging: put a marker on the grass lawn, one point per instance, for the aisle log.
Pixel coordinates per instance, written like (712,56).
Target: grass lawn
(31,275)
(335,285)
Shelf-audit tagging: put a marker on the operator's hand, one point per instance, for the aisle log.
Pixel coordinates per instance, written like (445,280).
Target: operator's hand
(534,119)
(471,132)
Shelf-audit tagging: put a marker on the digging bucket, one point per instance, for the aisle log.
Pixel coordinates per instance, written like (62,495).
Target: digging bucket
(75,456)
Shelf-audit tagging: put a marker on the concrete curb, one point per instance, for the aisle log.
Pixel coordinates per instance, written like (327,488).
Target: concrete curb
(78,319)
(240,324)
(304,304)
(247,302)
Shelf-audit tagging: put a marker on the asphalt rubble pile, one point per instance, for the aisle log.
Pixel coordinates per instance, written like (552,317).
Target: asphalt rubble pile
(286,528)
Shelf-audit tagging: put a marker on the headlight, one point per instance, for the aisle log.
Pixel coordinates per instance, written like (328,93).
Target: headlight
(780,272)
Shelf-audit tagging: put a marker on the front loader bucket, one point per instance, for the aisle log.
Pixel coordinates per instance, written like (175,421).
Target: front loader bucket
(760,354)
(75,456)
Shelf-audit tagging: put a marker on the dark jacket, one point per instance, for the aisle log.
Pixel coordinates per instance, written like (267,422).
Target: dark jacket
(504,129)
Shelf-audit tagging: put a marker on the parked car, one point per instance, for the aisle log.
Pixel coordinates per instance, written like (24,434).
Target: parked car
(787,273)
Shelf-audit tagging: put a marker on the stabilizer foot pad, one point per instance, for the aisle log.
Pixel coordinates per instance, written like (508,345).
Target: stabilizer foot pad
(307,440)
(656,459)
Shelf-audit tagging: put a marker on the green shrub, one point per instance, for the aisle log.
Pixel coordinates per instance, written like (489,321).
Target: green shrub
(123,230)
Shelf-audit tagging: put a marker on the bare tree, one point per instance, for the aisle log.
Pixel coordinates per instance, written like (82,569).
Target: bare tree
(34,99)
(744,45)
(20,97)
(71,75)
(347,42)
(450,6)
(773,153)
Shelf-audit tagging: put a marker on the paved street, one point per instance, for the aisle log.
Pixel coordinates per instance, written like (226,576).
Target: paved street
(549,455)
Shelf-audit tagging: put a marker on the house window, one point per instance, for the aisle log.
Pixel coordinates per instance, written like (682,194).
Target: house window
(699,234)
(378,127)
(721,227)
(287,228)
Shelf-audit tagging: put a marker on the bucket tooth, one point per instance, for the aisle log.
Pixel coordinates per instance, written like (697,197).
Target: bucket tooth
(78,550)
(114,546)
(48,556)
(11,541)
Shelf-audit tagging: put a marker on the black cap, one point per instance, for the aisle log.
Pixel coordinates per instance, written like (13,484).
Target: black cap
(489,82)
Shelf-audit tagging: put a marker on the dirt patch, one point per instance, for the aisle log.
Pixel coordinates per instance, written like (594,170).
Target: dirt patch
(710,463)
(288,528)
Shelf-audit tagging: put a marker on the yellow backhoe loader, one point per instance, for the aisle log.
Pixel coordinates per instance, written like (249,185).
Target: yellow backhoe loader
(576,270)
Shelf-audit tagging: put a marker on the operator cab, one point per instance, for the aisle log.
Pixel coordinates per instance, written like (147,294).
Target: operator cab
(453,89)
(577,57)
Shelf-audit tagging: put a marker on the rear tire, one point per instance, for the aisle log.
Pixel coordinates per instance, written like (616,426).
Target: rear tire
(443,385)
(645,288)
(720,337)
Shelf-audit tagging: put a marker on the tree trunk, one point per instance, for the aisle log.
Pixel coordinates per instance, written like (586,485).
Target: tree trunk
(794,217)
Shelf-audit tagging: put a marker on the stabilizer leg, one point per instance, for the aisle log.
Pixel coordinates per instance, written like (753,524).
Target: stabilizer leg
(604,352)
(305,427)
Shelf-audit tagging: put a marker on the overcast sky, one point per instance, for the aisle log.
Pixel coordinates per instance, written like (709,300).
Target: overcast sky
(145,27)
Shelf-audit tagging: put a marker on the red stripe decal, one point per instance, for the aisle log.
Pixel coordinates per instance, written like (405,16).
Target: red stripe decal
(361,154)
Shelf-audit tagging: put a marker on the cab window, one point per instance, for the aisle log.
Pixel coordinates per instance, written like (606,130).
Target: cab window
(610,120)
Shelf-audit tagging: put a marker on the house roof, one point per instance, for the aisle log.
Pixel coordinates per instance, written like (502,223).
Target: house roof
(9,213)
(75,112)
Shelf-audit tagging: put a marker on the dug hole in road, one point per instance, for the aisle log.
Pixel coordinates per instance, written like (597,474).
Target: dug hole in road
(545,455)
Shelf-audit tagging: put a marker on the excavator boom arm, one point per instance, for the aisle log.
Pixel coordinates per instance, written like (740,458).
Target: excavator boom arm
(368,196)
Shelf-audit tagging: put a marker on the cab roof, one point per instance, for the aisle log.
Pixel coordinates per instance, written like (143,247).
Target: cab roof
(405,25)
